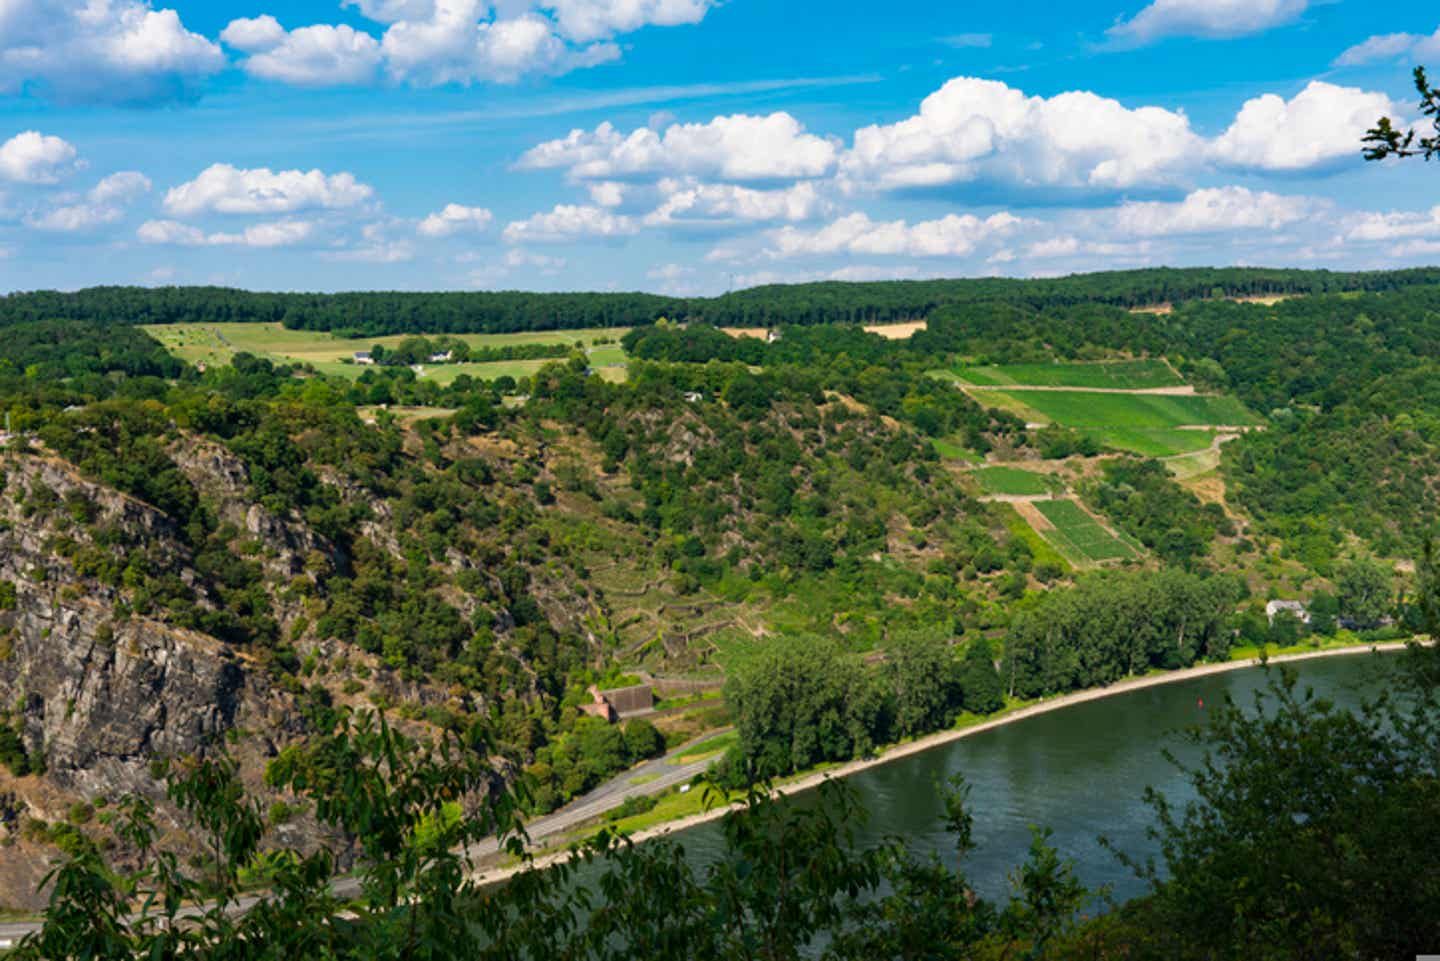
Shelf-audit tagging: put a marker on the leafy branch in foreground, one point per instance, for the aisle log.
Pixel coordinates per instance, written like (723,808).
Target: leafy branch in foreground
(1313,829)
(790,880)
(1386,141)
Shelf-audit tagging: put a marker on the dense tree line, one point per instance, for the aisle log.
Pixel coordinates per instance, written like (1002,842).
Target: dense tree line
(802,701)
(371,314)
(1114,625)
(453,350)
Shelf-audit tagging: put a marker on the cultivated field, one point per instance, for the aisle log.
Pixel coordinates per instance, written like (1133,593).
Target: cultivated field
(1013,482)
(217,343)
(1079,408)
(1153,425)
(1112,375)
(1076,535)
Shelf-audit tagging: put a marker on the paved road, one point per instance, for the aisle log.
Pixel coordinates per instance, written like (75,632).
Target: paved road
(666,772)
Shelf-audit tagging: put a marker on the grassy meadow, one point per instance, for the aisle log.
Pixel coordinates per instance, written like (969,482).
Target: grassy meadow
(217,343)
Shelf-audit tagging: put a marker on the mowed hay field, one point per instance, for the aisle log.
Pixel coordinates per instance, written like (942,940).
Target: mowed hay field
(1077,536)
(217,343)
(1112,375)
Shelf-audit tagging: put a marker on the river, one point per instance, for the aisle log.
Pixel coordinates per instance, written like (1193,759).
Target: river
(1081,771)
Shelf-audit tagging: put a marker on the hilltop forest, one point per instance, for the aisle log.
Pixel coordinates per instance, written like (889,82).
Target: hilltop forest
(286,587)
(373,314)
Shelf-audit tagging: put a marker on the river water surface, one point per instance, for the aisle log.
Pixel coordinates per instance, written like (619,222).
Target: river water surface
(1081,771)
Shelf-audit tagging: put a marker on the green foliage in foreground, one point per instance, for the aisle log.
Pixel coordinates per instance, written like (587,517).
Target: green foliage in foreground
(1308,838)
(1314,835)
(790,879)
(1385,141)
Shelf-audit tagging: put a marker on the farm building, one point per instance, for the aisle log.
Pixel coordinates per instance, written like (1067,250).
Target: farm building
(598,706)
(630,700)
(618,703)
(442,358)
(363,357)
(1275,608)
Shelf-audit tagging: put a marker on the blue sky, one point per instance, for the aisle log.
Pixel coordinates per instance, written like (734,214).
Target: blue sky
(690,146)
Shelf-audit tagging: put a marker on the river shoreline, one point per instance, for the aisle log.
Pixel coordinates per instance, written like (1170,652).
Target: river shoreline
(929,742)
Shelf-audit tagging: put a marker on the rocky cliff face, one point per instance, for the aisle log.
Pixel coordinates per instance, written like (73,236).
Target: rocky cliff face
(95,693)
(106,666)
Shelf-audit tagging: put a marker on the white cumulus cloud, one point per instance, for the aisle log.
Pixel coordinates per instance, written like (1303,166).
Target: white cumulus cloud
(1214,210)
(597,19)
(35,158)
(281,233)
(106,51)
(738,147)
(120,188)
(1206,18)
(392,11)
(1395,225)
(433,42)
(983,130)
(222,188)
(254,34)
(318,56)
(453,219)
(529,258)
(1410,46)
(951,236)
(451,47)
(1321,125)
(569,222)
(105,203)
(710,204)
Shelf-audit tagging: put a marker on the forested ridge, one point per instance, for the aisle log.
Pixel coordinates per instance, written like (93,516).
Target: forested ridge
(380,313)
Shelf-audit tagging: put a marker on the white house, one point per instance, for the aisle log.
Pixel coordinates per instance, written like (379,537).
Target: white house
(1274,608)
(363,357)
(442,358)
